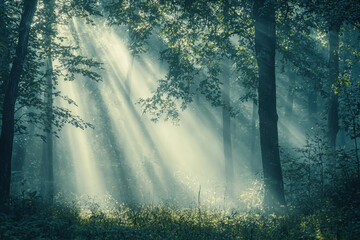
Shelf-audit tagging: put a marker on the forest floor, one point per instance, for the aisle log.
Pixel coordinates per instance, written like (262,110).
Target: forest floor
(26,219)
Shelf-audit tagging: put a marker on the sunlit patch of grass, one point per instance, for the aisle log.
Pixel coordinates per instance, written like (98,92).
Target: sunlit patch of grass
(252,197)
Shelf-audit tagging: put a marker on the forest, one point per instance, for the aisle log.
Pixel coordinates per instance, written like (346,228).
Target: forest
(181,119)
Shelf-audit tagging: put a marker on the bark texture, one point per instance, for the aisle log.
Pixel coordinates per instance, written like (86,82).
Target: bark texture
(265,43)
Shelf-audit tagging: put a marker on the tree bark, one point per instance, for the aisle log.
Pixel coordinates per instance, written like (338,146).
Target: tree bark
(265,43)
(333,114)
(7,129)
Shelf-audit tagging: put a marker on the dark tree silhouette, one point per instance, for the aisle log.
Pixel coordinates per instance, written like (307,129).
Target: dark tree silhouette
(7,130)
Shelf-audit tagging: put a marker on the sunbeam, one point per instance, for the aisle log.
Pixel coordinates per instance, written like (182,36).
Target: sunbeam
(159,161)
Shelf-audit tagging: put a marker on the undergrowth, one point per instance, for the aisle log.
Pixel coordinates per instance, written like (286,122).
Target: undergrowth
(30,219)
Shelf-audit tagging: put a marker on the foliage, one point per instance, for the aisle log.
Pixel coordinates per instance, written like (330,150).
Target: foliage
(68,221)
(315,175)
(348,89)
(31,109)
(196,38)
(304,173)
(329,13)
(295,43)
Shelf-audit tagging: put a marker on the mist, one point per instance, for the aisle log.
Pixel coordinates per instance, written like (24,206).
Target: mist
(128,158)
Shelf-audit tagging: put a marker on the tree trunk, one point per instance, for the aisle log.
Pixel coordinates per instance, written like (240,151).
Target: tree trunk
(4,52)
(290,96)
(19,153)
(290,103)
(312,103)
(265,44)
(229,169)
(312,106)
(47,183)
(7,129)
(333,114)
(253,162)
(17,164)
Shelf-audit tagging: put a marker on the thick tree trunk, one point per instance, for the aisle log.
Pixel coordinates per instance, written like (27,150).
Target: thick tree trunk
(229,169)
(7,129)
(265,44)
(333,114)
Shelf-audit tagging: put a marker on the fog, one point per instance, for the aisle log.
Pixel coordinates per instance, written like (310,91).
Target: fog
(127,158)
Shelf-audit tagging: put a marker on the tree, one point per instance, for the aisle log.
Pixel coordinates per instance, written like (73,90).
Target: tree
(25,92)
(7,130)
(197,36)
(333,108)
(227,143)
(330,16)
(4,49)
(47,158)
(265,44)
(347,89)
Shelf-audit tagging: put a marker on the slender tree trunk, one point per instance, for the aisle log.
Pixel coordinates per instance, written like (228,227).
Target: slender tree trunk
(312,106)
(229,169)
(47,183)
(265,43)
(17,164)
(290,102)
(356,151)
(341,139)
(7,129)
(333,114)
(291,95)
(18,155)
(253,136)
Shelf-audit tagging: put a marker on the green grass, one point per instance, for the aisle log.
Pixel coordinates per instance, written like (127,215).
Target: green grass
(31,220)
